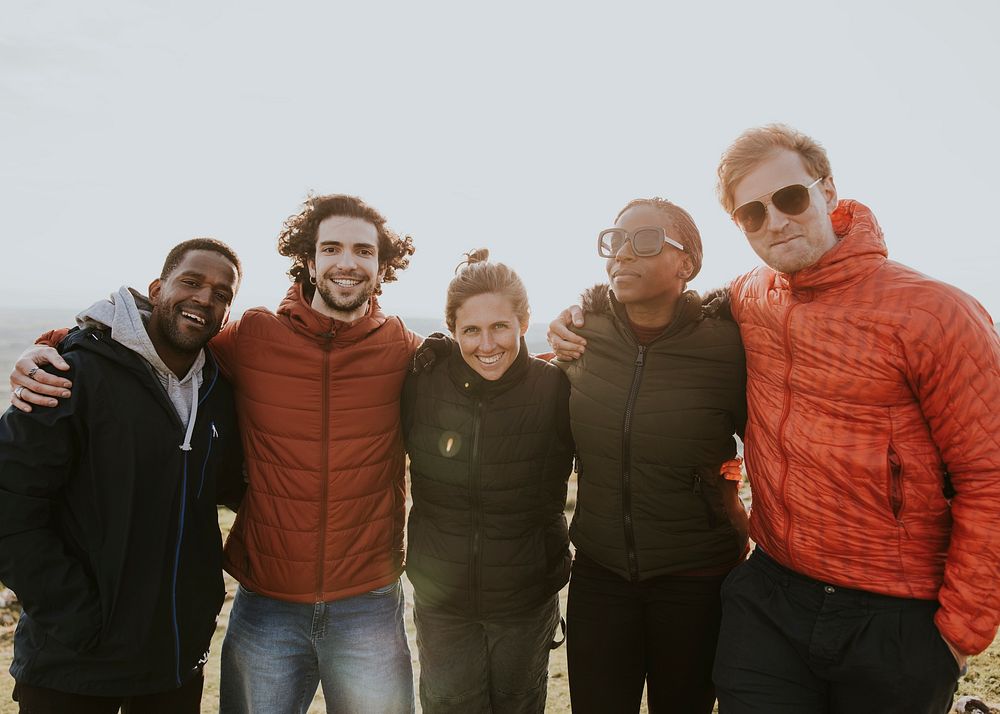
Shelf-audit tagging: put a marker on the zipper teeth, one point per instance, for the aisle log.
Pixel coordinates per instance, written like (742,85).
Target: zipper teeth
(177,561)
(630,549)
(180,537)
(786,407)
(324,475)
(475,492)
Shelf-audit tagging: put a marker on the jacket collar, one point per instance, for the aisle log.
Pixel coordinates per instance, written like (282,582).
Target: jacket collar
(323,329)
(859,252)
(688,310)
(469,381)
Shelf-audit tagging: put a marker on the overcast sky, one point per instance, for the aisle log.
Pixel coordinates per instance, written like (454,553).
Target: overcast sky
(126,127)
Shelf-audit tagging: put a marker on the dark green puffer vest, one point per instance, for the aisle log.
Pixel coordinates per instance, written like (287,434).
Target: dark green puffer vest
(652,426)
(488,467)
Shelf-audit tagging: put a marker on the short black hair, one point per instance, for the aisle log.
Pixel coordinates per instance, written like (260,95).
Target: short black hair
(177,253)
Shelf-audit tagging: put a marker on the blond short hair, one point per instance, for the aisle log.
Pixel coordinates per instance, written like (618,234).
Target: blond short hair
(754,145)
(477,276)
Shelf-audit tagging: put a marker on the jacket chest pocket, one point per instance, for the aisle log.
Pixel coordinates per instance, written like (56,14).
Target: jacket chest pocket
(895,486)
(708,495)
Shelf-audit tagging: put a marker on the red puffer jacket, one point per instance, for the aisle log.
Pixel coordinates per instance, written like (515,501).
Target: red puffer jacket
(868,383)
(318,403)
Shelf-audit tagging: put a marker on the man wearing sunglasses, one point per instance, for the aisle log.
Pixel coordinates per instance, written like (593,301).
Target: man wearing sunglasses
(872,393)
(872,449)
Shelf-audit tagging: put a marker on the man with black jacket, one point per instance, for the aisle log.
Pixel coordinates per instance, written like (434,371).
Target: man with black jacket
(108,525)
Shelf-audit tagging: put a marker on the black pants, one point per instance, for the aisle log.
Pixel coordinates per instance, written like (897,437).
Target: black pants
(659,632)
(793,644)
(37,700)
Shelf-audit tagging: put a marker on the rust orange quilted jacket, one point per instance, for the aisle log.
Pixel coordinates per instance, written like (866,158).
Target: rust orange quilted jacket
(867,384)
(318,403)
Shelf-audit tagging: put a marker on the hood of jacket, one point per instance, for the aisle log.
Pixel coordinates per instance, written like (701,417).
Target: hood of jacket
(126,313)
(305,320)
(600,299)
(859,252)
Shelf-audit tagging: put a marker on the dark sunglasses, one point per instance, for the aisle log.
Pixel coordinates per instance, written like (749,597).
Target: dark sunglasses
(790,200)
(646,241)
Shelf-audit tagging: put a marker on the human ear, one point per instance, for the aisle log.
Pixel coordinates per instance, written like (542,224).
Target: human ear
(685,269)
(829,193)
(154,290)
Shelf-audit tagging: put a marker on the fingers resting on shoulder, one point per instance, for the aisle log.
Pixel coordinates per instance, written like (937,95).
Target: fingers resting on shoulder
(31,385)
(566,344)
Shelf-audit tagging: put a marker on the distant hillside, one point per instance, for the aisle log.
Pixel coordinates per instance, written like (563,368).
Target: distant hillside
(20,326)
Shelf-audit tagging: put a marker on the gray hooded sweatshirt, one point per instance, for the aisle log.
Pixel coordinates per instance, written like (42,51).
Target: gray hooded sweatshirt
(126,313)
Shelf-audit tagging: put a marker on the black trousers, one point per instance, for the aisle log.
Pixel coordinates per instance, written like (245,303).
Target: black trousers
(37,700)
(659,632)
(789,643)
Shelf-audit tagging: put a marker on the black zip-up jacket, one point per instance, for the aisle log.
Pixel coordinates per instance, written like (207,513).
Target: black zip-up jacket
(653,424)
(489,462)
(109,532)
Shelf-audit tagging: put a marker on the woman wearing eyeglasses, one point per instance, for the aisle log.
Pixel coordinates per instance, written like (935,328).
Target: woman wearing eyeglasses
(487,431)
(655,401)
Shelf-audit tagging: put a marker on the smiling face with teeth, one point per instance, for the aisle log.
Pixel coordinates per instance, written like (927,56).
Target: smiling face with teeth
(190,305)
(345,267)
(488,334)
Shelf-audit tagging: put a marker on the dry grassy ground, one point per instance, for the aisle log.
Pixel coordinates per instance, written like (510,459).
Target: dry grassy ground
(982,681)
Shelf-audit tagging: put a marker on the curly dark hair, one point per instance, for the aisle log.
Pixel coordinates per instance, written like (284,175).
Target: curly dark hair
(297,239)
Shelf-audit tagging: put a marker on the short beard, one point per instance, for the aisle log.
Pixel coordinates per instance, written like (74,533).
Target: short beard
(794,264)
(169,326)
(337,304)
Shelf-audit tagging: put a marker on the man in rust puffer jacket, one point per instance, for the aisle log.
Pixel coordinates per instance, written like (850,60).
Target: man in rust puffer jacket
(872,448)
(317,545)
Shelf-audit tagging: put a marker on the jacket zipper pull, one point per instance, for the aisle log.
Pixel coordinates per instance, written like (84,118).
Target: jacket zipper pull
(215,432)
(638,357)
(697,484)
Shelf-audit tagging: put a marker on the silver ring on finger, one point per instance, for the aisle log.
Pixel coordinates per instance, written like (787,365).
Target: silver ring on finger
(17,392)
(31,372)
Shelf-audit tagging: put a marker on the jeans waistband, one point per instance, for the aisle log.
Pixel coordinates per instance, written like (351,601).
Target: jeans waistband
(861,598)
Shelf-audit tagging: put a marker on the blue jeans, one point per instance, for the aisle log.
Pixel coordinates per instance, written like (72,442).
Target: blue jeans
(276,653)
(490,664)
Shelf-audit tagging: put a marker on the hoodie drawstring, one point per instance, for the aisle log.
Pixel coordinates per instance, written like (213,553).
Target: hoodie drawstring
(186,446)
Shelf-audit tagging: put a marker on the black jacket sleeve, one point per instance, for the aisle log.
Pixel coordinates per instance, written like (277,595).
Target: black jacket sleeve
(230,477)
(38,452)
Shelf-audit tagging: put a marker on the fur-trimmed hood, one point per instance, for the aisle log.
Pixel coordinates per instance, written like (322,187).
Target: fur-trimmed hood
(596,298)
(600,300)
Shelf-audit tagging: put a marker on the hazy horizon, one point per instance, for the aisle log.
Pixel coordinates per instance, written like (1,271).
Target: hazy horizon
(131,126)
